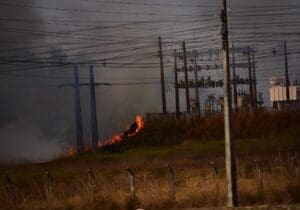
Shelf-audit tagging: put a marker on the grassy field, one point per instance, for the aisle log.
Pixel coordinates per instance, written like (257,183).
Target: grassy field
(268,169)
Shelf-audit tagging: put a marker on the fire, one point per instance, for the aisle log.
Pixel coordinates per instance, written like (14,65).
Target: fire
(115,139)
(71,151)
(132,130)
(139,125)
(135,128)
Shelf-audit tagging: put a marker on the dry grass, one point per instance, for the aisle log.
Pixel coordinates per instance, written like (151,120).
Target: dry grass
(195,187)
(246,125)
(262,137)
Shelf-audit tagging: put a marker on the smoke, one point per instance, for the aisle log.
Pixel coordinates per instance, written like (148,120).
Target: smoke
(37,120)
(32,120)
(9,13)
(27,143)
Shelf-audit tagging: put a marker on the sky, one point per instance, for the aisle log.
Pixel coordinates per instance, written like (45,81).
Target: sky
(37,120)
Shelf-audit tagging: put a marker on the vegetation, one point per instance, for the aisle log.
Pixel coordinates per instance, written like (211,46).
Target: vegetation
(258,125)
(268,149)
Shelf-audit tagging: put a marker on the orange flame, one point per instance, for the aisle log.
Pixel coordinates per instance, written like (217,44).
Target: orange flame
(140,125)
(136,127)
(71,151)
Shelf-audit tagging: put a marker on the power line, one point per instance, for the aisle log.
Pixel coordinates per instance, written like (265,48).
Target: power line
(97,11)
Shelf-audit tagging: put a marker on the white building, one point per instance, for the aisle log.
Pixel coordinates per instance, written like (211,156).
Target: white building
(278,95)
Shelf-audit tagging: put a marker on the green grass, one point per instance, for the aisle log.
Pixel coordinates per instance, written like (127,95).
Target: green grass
(190,150)
(192,147)
(190,153)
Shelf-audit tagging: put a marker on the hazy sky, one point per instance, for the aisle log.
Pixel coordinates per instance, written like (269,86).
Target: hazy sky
(37,116)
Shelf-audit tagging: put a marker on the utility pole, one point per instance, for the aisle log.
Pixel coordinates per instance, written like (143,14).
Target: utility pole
(176,85)
(196,79)
(196,87)
(187,91)
(231,179)
(94,127)
(287,80)
(162,77)
(250,80)
(234,78)
(94,124)
(79,130)
(254,77)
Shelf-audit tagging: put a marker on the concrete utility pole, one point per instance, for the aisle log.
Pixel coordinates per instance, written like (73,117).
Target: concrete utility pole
(162,77)
(250,80)
(287,80)
(79,130)
(94,124)
(254,77)
(231,179)
(176,85)
(234,78)
(187,91)
(196,87)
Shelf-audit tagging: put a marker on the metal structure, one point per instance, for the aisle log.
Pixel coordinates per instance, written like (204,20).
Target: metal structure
(94,123)
(287,80)
(176,86)
(162,77)
(79,129)
(207,82)
(187,91)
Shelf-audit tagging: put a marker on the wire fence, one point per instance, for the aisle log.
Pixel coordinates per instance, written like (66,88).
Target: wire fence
(171,182)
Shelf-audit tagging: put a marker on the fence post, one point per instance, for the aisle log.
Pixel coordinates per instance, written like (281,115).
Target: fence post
(10,188)
(259,174)
(132,183)
(49,186)
(171,182)
(215,169)
(297,169)
(215,175)
(293,164)
(92,184)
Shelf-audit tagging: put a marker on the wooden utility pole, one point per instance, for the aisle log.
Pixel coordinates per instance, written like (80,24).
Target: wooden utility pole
(234,79)
(231,179)
(162,77)
(94,124)
(254,77)
(250,80)
(187,91)
(287,80)
(176,85)
(79,130)
(196,87)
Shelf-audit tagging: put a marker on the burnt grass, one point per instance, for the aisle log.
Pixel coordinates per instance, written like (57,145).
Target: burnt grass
(270,140)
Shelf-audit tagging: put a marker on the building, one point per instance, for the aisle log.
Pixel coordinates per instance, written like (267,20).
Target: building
(278,95)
